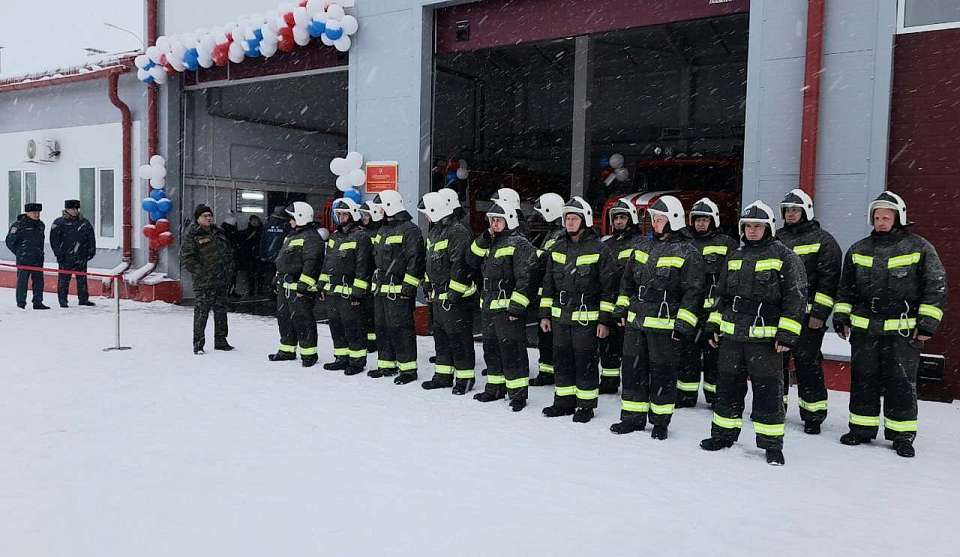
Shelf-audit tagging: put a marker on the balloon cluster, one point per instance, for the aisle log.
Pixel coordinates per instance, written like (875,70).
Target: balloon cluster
(613,169)
(254,36)
(157,205)
(349,171)
(457,170)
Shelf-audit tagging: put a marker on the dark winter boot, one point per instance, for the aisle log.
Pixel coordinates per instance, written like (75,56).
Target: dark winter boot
(282,357)
(659,432)
(811,428)
(222,345)
(463,386)
(404,378)
(337,364)
(904,448)
(583,415)
(518,404)
(851,439)
(557,411)
(714,444)
(609,385)
(487,397)
(198,348)
(775,457)
(628,426)
(389,371)
(353,370)
(64,305)
(40,306)
(375,373)
(432,385)
(87,303)
(543,379)
(309,361)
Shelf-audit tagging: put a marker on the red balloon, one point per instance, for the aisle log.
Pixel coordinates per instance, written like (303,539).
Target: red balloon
(286,44)
(150,231)
(162,226)
(221,54)
(289,19)
(303,3)
(165,239)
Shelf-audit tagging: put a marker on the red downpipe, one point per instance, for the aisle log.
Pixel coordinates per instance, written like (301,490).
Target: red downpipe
(153,115)
(127,127)
(812,73)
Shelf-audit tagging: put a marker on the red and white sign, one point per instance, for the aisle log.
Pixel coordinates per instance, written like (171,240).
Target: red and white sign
(382,176)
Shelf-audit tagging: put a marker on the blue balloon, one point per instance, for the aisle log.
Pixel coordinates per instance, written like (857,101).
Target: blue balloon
(604,162)
(157,195)
(316,28)
(156,215)
(164,205)
(191,59)
(333,34)
(149,65)
(149,205)
(354,194)
(258,33)
(253,52)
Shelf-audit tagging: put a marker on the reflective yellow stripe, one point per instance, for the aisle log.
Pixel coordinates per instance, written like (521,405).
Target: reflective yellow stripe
(504,252)
(676,262)
(734,264)
(341,352)
(443,369)
(658,323)
(308,351)
(458,286)
(361,284)
(558,257)
(395,239)
(631,406)
(708,303)
(519,299)
(290,286)
(565,391)
(407,366)
(859,322)
(607,307)
(287,348)
(386,364)
(709,387)
(465,374)
(549,243)
(770,430)
(688,387)
(715,317)
(546,302)
(375,240)
(661,409)
(309,281)
(898,426)
(899,324)
(586,316)
(347,246)
(411,280)
(331,243)
(818,406)
(591,394)
(640,256)
(788,324)
(727,328)
(688,316)
(727,423)
(762,332)
(342,289)
(556,312)
(499,303)
(823,299)
(518,383)
(904,260)
(768,265)
(496,380)
(927,310)
(610,372)
(357,354)
(324,277)
(714,250)
(441,245)
(588,259)
(865,421)
(623,301)
(862,260)
(296,243)
(625,253)
(478,251)
(544,368)
(842,308)
(806,249)
(372,337)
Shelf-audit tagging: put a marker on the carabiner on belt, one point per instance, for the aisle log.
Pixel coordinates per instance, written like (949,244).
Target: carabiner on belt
(663,304)
(903,325)
(759,318)
(391,293)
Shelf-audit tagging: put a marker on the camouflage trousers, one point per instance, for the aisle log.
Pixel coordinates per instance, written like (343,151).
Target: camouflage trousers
(210,300)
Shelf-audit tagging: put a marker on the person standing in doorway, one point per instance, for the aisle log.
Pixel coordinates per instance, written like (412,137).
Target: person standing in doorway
(207,255)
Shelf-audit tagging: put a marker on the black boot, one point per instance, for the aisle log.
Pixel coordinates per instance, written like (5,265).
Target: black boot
(87,303)
(309,361)
(282,357)
(628,426)
(904,448)
(851,439)
(487,397)
(337,364)
(583,415)
(64,305)
(198,348)
(775,457)
(518,404)
(463,386)
(542,379)
(375,373)
(811,428)
(353,370)
(389,371)
(557,411)
(432,385)
(40,306)
(222,345)
(405,377)
(714,444)
(609,385)
(659,432)
(22,306)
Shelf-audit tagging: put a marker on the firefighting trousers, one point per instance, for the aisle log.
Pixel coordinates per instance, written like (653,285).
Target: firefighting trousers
(214,300)
(36,280)
(369,322)
(760,362)
(297,323)
(396,336)
(347,330)
(884,366)
(808,367)
(505,354)
(63,283)
(611,358)
(545,347)
(692,364)
(575,364)
(453,342)
(651,362)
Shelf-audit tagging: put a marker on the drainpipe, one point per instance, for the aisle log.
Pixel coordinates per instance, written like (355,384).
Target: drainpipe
(127,139)
(812,73)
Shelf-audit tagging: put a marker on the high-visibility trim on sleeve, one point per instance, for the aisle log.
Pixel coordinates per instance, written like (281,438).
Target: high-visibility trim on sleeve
(687,316)
(546,303)
(475,249)
(927,310)
(607,307)
(411,280)
(842,307)
(734,264)
(519,299)
(558,258)
(823,299)
(505,252)
(623,301)
(308,280)
(788,324)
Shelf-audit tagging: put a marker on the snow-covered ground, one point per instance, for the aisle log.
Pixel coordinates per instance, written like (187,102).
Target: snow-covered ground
(156,452)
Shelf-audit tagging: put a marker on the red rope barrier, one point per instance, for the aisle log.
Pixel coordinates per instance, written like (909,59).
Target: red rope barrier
(59,271)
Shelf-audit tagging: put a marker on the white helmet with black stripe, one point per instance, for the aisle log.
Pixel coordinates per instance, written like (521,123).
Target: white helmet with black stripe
(758,212)
(435,206)
(624,206)
(799,199)
(346,206)
(892,201)
(507,196)
(506,212)
(391,202)
(705,207)
(671,208)
(550,206)
(372,209)
(300,212)
(579,206)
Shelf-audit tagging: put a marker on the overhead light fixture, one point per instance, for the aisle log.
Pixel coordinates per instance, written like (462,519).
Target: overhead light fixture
(252,196)
(252,210)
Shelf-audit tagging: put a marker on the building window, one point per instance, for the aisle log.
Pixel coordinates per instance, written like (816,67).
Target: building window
(914,16)
(97,201)
(21,189)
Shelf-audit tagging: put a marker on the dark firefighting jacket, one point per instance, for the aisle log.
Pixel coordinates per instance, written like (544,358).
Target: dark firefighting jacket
(713,246)
(821,258)
(400,257)
(300,259)
(348,262)
(506,262)
(448,276)
(579,284)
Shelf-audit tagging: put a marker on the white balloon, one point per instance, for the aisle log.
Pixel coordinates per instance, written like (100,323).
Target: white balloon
(206,44)
(350,24)
(337,166)
(159,74)
(463,164)
(141,61)
(343,43)
(335,12)
(157,184)
(205,60)
(158,173)
(357,177)
(271,25)
(142,74)
(154,53)
(333,25)
(315,8)
(347,3)
(301,17)
(163,43)
(158,160)
(146,172)
(268,49)
(354,160)
(343,184)
(236,54)
(326,40)
(616,161)
(301,36)
(462,173)
(622,174)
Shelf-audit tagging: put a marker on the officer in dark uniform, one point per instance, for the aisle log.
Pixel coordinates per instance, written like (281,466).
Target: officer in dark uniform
(822,259)
(892,295)
(271,241)
(548,208)
(25,240)
(371,218)
(74,243)
(207,255)
(298,271)
(761,302)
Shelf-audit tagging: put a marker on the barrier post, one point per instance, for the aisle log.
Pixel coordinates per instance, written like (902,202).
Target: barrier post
(116,296)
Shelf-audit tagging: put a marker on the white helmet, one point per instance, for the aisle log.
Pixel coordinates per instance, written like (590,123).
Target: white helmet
(302,213)
(372,209)
(435,206)
(508,196)
(624,206)
(550,206)
(347,206)
(671,208)
(579,206)
(888,200)
(507,212)
(759,212)
(705,208)
(451,197)
(390,201)
(799,199)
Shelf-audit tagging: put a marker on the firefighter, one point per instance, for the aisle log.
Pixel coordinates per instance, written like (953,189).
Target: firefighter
(549,209)
(625,232)
(760,306)
(661,294)
(450,286)
(713,246)
(821,258)
(892,294)
(579,290)
(506,259)
(298,269)
(347,269)
(399,260)
(371,218)
(509,196)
